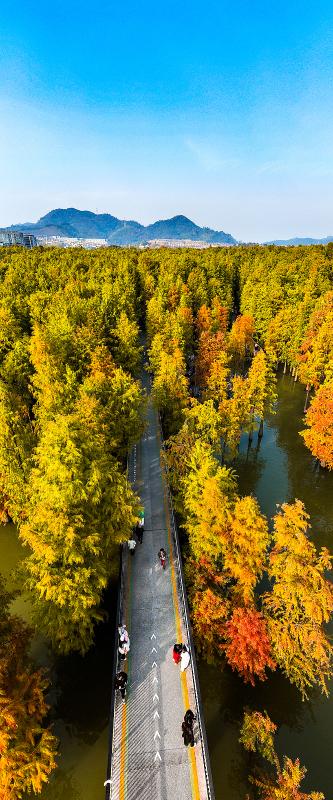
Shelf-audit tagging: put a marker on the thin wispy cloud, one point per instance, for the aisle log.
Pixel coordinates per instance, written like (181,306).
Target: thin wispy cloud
(208,156)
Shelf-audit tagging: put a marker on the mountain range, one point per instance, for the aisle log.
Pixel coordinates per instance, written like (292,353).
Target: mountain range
(71,222)
(299,241)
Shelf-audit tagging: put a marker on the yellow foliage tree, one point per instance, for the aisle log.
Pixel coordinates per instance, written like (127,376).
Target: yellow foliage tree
(300,601)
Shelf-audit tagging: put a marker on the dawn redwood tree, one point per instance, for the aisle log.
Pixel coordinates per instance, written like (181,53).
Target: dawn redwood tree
(235,414)
(17,440)
(287,784)
(209,617)
(210,347)
(300,601)
(245,551)
(240,341)
(217,383)
(27,746)
(209,495)
(203,421)
(80,507)
(318,435)
(316,350)
(248,649)
(257,735)
(261,382)
(170,387)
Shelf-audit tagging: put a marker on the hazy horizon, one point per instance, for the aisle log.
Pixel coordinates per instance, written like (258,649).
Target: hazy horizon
(224,114)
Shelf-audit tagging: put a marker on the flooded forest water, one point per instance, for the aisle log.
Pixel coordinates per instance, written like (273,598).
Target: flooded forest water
(279,470)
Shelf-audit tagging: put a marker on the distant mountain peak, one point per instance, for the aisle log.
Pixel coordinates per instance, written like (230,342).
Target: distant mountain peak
(72,223)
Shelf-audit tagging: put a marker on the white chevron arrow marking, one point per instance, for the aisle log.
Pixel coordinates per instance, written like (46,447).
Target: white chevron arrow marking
(156,735)
(153,636)
(154,650)
(153,664)
(157,755)
(156,697)
(155,680)
(156,715)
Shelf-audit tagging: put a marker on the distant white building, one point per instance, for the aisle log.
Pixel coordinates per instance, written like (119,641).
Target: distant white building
(10,238)
(198,244)
(70,241)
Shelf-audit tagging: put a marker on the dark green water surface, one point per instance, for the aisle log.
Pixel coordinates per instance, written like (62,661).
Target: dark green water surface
(79,697)
(280,470)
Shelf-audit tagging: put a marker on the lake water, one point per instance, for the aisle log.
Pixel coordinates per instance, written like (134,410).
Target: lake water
(79,695)
(280,470)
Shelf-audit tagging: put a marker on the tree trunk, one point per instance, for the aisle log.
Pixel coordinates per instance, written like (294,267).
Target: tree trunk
(261,429)
(296,375)
(306,398)
(251,428)
(285,367)
(222,452)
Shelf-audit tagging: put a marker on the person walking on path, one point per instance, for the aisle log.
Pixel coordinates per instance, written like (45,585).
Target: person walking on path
(139,532)
(124,642)
(123,649)
(184,658)
(121,683)
(187,734)
(162,557)
(189,717)
(123,633)
(176,653)
(131,544)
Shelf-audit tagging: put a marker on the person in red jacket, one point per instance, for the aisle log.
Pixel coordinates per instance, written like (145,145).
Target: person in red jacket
(177,652)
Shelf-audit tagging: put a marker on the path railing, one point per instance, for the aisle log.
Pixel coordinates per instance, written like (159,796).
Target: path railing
(123,566)
(186,618)
(112,716)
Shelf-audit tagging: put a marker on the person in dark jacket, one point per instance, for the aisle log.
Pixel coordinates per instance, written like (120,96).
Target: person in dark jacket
(187,734)
(139,532)
(189,717)
(121,683)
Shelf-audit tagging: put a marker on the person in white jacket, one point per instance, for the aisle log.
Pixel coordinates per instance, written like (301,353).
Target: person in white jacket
(184,658)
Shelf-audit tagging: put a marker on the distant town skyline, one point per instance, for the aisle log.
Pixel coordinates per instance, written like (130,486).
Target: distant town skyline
(220,112)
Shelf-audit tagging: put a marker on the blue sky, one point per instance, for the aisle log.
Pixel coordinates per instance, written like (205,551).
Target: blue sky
(220,111)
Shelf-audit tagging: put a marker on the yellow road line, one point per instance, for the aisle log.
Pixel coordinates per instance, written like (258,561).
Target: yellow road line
(123,739)
(123,749)
(185,693)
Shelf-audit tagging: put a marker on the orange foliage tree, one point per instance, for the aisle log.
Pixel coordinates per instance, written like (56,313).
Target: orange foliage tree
(318,435)
(27,746)
(209,616)
(257,735)
(240,341)
(287,784)
(248,648)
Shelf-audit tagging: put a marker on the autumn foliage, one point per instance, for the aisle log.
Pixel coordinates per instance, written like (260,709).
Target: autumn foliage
(318,435)
(248,648)
(257,735)
(27,746)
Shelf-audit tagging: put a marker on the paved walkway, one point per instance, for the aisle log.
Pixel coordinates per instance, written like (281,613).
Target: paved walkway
(149,759)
